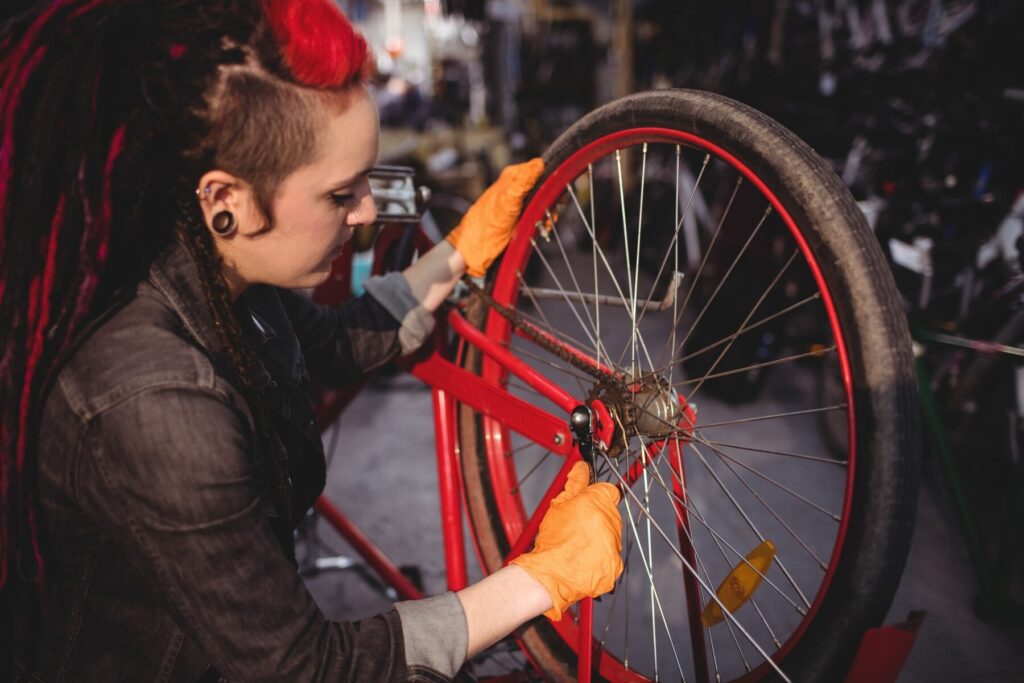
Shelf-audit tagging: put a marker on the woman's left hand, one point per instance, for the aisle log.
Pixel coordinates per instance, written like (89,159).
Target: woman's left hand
(487,227)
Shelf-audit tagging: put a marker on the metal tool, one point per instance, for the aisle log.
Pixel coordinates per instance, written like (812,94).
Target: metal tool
(580,424)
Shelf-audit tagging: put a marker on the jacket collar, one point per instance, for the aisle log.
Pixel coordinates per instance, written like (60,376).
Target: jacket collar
(175,274)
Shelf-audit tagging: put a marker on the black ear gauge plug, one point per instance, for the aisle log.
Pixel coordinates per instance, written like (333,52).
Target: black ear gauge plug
(224,223)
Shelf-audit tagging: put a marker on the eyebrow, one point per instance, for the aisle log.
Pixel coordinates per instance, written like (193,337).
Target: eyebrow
(350,180)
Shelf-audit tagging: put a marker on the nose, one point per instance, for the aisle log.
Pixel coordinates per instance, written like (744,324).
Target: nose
(364,212)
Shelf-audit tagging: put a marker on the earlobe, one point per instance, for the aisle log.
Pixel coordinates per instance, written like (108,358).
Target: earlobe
(223,223)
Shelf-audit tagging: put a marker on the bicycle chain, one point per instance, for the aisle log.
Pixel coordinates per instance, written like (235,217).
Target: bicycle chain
(611,389)
(542,340)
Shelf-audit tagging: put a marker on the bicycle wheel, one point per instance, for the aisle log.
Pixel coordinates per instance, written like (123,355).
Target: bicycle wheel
(784,256)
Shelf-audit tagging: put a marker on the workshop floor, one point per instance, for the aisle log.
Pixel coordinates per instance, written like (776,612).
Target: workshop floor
(382,473)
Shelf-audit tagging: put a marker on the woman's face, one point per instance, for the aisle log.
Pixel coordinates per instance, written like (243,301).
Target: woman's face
(316,207)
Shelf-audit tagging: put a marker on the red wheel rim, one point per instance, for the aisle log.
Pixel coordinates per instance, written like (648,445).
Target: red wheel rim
(506,290)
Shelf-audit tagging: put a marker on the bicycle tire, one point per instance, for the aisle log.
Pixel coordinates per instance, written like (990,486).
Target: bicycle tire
(880,496)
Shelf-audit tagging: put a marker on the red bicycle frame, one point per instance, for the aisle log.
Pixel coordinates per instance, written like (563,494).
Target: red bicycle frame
(437,366)
(451,384)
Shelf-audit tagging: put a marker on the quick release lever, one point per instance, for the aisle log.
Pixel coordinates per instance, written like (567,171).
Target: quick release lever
(580,424)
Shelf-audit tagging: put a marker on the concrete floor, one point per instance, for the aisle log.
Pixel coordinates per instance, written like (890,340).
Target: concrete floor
(383,474)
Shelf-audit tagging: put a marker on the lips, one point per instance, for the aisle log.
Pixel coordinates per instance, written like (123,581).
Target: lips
(340,247)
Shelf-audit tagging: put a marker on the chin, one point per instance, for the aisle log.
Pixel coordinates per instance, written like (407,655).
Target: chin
(316,279)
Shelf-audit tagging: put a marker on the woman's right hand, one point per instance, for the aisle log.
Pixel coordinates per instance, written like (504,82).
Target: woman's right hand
(577,552)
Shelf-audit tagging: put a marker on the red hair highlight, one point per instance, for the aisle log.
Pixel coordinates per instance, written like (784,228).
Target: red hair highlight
(96,237)
(10,96)
(40,292)
(319,44)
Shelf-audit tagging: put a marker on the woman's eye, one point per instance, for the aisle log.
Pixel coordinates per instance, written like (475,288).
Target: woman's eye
(342,199)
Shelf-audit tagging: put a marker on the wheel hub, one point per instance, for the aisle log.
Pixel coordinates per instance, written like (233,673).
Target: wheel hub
(654,408)
(647,407)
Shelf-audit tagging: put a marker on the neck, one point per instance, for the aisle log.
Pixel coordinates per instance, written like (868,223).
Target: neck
(236,283)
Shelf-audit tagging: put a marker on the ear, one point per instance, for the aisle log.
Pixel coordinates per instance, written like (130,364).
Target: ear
(221,191)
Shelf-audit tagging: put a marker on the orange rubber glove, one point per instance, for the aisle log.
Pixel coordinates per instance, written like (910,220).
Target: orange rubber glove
(578,549)
(487,227)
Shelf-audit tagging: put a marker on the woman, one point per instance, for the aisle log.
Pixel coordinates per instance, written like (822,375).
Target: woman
(169,173)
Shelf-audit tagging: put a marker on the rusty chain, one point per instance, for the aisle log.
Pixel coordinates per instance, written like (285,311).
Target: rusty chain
(543,340)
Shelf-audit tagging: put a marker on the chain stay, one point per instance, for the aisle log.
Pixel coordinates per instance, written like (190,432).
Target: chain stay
(542,340)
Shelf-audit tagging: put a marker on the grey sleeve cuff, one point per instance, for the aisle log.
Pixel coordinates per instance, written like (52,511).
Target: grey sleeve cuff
(435,633)
(391,291)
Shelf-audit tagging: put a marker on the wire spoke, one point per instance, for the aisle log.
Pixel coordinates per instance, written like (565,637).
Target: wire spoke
(565,296)
(673,247)
(769,508)
(675,430)
(745,329)
(750,523)
(775,416)
(725,278)
(545,324)
(631,281)
(593,249)
(636,274)
(625,229)
(703,263)
(777,361)
(607,266)
(648,563)
(675,251)
(732,631)
(519,449)
(650,555)
(553,365)
(801,456)
(685,526)
(685,504)
(753,600)
(598,345)
(725,611)
(633,273)
(533,469)
(693,545)
(833,516)
(600,251)
(753,310)
(615,595)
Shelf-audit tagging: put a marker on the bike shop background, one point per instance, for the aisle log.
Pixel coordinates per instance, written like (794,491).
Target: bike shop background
(918,104)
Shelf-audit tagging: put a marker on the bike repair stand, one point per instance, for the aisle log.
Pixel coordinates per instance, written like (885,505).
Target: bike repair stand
(404,582)
(993,570)
(883,651)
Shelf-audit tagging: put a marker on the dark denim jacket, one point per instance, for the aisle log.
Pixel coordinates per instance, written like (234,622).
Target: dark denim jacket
(155,501)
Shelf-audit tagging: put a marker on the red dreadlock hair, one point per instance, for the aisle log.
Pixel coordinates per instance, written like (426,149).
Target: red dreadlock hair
(109,113)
